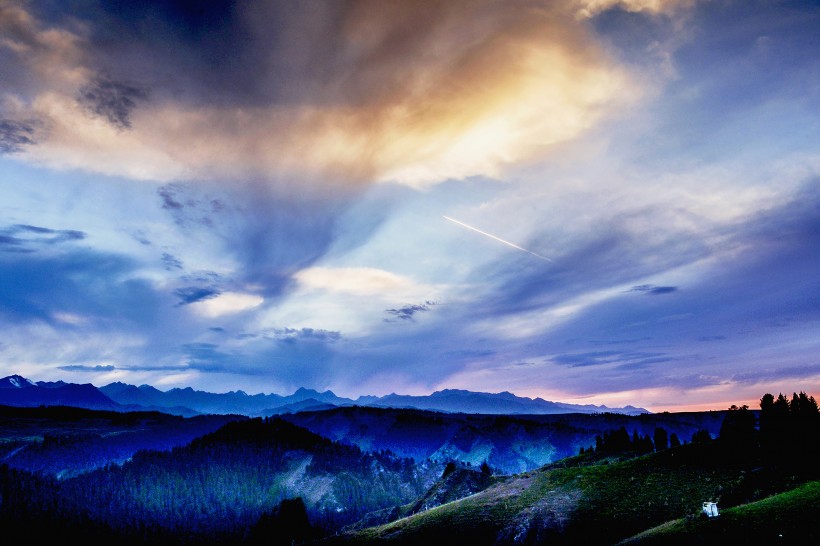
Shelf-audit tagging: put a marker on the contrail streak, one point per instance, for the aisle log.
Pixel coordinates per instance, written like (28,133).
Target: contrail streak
(499,239)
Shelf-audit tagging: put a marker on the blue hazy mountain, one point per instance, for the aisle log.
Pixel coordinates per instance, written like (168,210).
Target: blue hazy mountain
(449,400)
(229,402)
(463,401)
(19,391)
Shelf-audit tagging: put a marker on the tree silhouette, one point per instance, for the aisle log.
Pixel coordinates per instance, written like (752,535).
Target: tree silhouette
(285,525)
(701,436)
(660,439)
(738,432)
(790,431)
(674,441)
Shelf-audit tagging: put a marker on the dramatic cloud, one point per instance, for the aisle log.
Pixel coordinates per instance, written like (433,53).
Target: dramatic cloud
(365,90)
(255,195)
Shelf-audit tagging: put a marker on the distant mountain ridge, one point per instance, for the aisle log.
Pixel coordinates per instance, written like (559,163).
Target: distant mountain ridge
(16,390)
(463,401)
(448,400)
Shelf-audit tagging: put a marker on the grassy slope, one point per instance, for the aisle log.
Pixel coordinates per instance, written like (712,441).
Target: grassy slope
(593,504)
(791,516)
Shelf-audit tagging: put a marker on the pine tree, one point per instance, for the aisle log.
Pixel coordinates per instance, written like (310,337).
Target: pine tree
(660,439)
(674,441)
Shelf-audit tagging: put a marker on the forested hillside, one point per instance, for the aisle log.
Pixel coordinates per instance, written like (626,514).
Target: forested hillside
(217,487)
(69,472)
(629,483)
(508,443)
(66,441)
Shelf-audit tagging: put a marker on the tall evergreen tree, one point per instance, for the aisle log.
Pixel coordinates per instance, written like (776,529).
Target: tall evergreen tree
(674,441)
(660,439)
(738,432)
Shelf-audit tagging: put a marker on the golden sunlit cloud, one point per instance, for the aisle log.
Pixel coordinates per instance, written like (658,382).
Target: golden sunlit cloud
(412,93)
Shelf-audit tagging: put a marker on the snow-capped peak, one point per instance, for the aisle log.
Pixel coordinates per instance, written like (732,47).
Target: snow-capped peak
(19,382)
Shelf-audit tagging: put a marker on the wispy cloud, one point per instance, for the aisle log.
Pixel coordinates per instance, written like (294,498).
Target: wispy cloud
(86,368)
(27,238)
(15,135)
(654,290)
(111,100)
(407,312)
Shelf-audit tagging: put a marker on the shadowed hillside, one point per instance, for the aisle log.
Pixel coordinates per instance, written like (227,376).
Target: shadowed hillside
(615,491)
(509,444)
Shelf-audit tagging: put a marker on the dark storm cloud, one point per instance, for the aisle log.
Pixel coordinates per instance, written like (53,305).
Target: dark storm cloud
(214,52)
(15,135)
(203,48)
(193,294)
(85,368)
(111,100)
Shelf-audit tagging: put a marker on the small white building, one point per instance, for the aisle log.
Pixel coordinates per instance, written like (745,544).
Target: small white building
(710,509)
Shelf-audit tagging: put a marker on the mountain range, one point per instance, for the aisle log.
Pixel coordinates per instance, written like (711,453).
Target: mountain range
(16,390)
(19,391)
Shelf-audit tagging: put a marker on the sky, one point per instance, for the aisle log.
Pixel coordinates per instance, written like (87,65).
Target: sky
(591,201)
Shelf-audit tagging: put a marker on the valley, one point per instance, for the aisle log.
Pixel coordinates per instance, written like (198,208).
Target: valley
(366,475)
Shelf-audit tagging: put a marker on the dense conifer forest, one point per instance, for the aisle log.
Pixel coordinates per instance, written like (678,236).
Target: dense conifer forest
(263,480)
